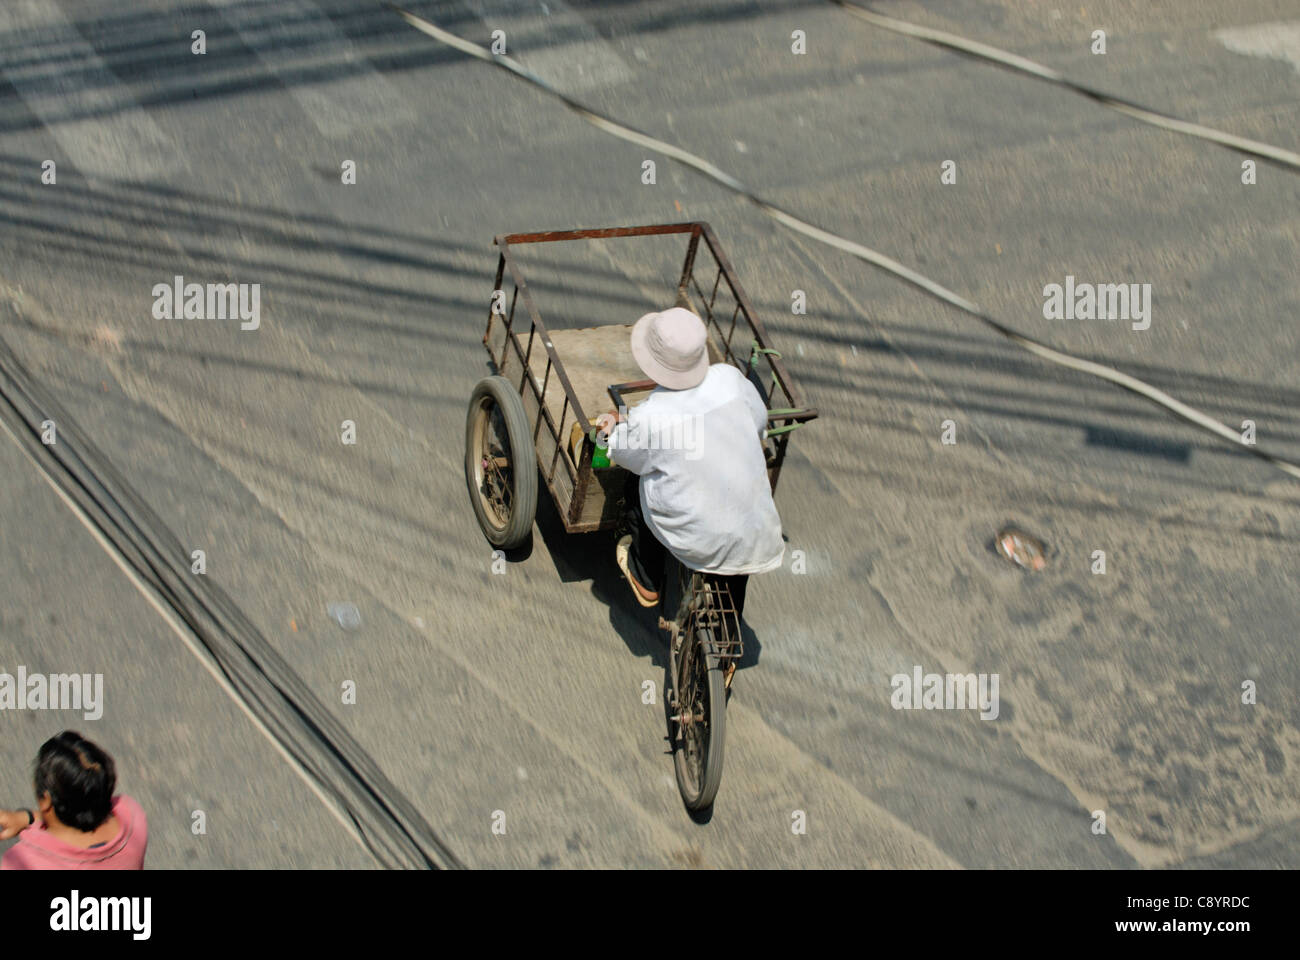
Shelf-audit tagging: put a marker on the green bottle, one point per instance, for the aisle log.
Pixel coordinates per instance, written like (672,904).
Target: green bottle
(600,456)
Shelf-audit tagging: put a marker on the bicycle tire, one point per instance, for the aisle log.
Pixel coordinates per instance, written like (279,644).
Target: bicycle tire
(698,766)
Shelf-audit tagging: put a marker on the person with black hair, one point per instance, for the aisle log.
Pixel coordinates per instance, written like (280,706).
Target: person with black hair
(79,823)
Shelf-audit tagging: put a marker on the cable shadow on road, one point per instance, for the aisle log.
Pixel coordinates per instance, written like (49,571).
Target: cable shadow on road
(147,59)
(855,366)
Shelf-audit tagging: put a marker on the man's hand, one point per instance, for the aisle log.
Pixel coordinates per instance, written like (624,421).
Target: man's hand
(605,425)
(12,822)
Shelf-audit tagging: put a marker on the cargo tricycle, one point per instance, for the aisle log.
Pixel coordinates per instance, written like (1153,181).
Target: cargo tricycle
(529,424)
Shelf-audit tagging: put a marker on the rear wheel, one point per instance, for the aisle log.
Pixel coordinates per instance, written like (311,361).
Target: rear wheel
(700,721)
(500,463)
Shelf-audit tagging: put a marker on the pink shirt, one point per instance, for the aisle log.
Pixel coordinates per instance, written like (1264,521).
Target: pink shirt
(37,850)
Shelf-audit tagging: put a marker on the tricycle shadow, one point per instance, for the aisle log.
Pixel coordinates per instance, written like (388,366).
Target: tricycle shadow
(590,556)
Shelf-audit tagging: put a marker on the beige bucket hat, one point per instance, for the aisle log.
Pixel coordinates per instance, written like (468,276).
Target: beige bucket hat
(671,349)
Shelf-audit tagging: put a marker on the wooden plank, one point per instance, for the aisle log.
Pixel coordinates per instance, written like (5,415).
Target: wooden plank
(593,358)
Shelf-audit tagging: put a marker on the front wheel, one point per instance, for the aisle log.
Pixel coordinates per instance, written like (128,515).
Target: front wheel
(700,722)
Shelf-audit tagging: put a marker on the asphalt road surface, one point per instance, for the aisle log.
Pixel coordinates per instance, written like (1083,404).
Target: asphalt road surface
(514,699)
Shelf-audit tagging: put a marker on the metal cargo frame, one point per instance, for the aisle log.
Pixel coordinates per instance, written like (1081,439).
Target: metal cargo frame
(581,494)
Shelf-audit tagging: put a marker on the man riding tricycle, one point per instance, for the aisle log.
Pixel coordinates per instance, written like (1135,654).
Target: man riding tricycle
(685,476)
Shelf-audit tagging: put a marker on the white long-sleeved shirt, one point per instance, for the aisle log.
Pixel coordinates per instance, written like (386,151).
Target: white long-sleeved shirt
(704,488)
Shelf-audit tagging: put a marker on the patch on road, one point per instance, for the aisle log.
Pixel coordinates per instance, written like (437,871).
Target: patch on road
(1276,41)
(93,115)
(337,87)
(575,57)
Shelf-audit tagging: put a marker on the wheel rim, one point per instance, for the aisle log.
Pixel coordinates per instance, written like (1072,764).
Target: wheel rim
(693,696)
(493,464)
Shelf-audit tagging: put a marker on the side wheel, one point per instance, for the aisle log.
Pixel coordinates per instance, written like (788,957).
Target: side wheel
(500,463)
(701,722)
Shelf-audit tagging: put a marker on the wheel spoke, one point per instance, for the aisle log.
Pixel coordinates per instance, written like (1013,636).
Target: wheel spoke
(501,463)
(694,727)
(495,468)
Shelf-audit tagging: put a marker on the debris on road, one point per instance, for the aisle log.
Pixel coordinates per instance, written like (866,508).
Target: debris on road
(1022,549)
(347,615)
